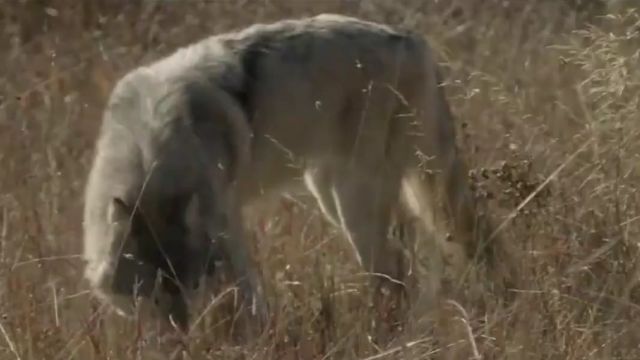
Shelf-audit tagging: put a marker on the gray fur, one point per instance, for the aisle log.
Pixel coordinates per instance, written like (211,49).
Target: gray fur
(349,108)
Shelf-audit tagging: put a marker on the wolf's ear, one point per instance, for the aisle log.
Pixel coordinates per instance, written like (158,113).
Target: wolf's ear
(118,211)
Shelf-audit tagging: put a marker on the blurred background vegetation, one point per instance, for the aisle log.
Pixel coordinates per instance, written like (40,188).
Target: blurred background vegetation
(546,99)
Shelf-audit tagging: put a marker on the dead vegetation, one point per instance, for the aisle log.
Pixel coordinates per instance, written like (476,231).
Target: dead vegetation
(547,100)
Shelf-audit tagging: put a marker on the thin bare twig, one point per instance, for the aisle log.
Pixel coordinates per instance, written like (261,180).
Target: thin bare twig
(48,258)
(12,345)
(464,319)
(403,347)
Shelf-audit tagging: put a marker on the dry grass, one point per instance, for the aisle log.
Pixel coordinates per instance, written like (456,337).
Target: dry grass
(548,108)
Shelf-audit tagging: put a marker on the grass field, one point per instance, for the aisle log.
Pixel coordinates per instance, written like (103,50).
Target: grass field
(547,101)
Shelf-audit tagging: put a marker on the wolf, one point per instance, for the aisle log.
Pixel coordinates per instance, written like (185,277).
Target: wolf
(350,110)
